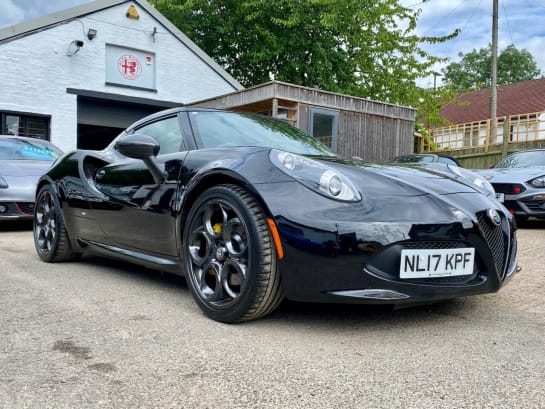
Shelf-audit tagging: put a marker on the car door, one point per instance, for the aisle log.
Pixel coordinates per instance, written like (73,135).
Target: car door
(140,213)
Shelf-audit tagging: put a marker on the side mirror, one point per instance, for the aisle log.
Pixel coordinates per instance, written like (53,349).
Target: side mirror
(137,146)
(144,147)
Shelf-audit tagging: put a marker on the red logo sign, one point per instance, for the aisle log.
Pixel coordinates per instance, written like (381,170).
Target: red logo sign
(129,67)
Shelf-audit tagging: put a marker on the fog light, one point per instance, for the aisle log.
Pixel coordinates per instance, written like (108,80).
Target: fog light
(3,208)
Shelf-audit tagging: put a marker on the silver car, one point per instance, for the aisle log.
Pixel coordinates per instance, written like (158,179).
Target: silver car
(22,161)
(519,182)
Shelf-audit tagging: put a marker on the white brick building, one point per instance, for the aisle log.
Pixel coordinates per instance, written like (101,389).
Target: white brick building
(78,77)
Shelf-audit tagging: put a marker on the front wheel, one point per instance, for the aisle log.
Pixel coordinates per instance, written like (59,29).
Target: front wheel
(229,257)
(50,237)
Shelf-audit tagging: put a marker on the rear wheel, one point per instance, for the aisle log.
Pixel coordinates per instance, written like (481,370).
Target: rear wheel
(229,256)
(50,237)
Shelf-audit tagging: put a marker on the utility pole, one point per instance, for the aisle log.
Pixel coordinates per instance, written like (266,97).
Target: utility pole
(494,75)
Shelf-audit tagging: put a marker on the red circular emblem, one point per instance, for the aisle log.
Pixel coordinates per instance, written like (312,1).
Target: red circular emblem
(129,67)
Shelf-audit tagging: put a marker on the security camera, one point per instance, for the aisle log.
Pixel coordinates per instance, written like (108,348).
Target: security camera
(74,47)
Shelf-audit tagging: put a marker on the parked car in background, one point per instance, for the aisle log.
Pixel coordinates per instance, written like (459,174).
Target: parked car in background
(519,181)
(22,161)
(425,158)
(447,165)
(251,211)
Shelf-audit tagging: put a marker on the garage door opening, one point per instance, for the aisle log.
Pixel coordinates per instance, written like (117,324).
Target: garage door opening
(100,120)
(96,137)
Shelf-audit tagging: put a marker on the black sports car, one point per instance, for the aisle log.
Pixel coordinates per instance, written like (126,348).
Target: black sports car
(251,210)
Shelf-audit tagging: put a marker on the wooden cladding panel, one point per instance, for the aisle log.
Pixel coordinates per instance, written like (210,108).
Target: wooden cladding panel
(373,138)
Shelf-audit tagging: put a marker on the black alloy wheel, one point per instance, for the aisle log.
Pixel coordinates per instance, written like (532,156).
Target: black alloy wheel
(50,237)
(229,256)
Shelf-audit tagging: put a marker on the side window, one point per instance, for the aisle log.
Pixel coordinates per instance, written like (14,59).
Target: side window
(166,132)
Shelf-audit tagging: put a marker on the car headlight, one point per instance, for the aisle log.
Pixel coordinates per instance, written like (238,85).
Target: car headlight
(480,182)
(315,175)
(538,182)
(3,183)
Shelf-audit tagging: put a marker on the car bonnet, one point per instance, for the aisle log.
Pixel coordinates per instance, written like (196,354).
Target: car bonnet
(23,167)
(400,180)
(512,175)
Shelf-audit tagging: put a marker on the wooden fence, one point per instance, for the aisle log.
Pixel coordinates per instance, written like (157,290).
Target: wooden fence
(480,144)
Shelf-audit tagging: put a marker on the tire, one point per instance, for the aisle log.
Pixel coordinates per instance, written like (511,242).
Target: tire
(229,256)
(50,237)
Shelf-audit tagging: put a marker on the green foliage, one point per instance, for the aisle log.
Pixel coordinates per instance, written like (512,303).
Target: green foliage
(357,47)
(473,70)
(429,105)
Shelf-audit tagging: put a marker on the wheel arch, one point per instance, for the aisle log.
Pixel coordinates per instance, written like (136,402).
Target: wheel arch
(45,180)
(208,180)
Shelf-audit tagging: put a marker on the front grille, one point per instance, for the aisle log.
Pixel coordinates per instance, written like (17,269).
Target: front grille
(535,205)
(508,188)
(434,245)
(26,207)
(496,240)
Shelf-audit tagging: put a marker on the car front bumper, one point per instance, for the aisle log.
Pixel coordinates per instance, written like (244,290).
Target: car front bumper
(16,210)
(359,262)
(530,202)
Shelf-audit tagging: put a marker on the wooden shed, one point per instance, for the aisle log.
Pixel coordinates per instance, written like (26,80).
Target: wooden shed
(350,126)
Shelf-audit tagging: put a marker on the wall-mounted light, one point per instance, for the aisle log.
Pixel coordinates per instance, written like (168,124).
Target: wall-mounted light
(74,47)
(132,13)
(91,33)
(154,33)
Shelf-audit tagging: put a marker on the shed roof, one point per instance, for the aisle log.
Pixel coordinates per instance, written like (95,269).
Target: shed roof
(61,17)
(312,96)
(513,99)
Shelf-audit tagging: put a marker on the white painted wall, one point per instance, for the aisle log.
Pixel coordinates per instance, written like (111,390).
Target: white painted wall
(36,71)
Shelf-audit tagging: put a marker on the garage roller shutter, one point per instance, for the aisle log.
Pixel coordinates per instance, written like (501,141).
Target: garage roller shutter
(108,113)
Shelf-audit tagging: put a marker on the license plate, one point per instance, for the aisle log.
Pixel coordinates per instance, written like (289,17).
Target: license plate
(500,197)
(436,263)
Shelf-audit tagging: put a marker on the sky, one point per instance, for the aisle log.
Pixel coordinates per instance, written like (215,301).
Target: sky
(521,22)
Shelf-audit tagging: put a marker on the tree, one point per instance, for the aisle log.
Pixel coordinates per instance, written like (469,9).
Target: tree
(358,47)
(473,70)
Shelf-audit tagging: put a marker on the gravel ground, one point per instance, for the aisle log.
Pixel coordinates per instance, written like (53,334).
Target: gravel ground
(101,334)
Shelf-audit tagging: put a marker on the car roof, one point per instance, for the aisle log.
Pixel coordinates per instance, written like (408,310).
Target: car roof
(168,112)
(25,138)
(529,150)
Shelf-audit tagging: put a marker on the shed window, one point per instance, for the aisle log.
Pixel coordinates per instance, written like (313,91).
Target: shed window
(36,126)
(323,126)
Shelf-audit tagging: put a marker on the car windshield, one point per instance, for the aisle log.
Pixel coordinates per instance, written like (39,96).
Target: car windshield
(24,149)
(229,129)
(523,160)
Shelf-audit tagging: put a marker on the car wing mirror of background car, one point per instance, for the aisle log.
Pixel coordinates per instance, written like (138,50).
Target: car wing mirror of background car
(144,147)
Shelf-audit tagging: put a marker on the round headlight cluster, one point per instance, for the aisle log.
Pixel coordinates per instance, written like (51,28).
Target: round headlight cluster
(316,175)
(331,182)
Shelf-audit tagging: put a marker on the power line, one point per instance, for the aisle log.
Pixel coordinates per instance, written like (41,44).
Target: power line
(449,13)
(507,21)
